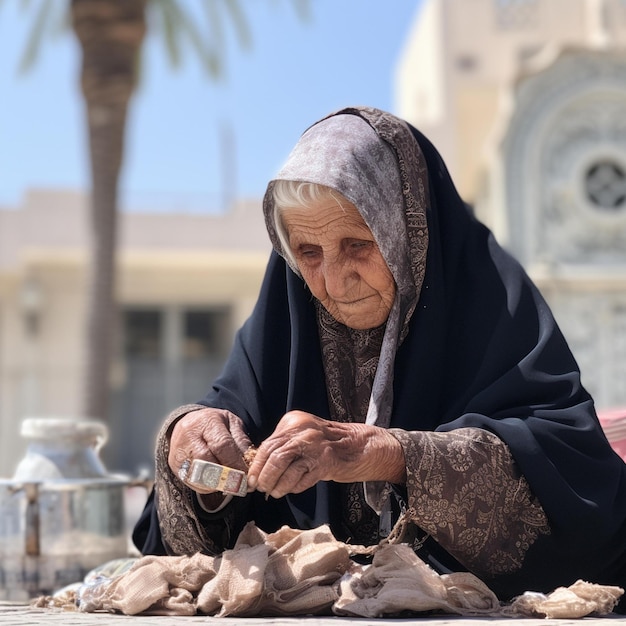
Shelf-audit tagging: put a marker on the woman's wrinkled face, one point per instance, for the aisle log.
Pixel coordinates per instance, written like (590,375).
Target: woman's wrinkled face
(340,262)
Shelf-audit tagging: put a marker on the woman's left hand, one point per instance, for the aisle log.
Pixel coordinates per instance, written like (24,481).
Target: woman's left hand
(305,449)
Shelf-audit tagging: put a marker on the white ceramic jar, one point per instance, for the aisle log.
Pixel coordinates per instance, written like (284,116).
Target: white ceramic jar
(60,448)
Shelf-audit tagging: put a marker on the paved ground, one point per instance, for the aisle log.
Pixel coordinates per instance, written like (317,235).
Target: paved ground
(23,615)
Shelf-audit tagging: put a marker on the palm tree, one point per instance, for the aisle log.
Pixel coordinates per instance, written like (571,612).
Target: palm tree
(111,34)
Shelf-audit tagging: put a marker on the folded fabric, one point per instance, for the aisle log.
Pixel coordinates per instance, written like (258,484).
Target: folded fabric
(577,600)
(308,572)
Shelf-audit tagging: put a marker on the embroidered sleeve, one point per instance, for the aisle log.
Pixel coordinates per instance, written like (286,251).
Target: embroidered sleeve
(185,526)
(466,491)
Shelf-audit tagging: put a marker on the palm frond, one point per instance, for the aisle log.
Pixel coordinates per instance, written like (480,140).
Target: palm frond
(177,26)
(214,21)
(60,22)
(35,37)
(169,24)
(204,47)
(302,8)
(239,22)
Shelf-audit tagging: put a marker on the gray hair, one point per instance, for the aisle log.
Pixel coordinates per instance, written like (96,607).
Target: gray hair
(288,194)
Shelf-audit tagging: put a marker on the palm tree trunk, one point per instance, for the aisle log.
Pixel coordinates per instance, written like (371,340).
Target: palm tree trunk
(110,33)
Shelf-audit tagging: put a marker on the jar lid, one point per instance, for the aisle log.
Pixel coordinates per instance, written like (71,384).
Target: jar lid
(64,428)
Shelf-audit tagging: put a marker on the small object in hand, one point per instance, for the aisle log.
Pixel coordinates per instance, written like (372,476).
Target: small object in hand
(248,455)
(207,475)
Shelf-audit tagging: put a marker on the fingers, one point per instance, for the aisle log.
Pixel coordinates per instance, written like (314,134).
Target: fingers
(225,441)
(264,471)
(295,457)
(281,471)
(239,435)
(305,449)
(210,435)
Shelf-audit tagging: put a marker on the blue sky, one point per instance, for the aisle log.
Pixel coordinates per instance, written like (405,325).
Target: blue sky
(295,72)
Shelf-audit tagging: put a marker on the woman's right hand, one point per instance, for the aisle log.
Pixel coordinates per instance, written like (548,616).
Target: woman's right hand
(209,434)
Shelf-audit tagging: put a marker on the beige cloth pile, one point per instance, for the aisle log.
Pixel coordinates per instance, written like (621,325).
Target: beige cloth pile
(293,572)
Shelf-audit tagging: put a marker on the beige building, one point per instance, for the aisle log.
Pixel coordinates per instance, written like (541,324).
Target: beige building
(526,100)
(186,283)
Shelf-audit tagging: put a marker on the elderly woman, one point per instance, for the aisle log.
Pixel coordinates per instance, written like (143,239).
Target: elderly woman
(397,361)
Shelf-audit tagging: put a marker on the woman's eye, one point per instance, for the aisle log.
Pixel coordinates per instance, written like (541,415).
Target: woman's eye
(358,246)
(308,252)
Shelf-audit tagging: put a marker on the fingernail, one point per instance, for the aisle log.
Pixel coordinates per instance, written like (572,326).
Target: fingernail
(252,481)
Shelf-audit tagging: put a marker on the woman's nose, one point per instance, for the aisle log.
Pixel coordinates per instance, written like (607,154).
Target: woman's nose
(337,277)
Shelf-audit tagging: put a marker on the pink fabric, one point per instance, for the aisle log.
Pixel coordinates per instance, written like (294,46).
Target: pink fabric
(613,423)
